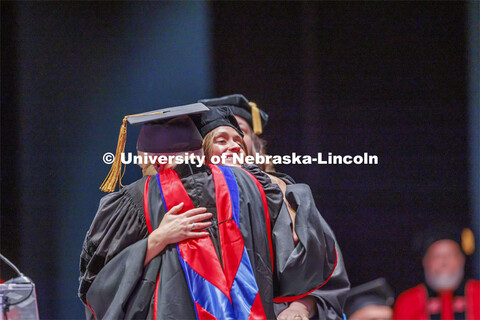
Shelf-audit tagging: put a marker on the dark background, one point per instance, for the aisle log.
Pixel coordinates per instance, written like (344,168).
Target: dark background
(390,79)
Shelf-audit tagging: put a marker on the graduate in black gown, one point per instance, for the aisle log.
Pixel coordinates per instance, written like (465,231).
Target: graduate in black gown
(299,203)
(228,269)
(370,301)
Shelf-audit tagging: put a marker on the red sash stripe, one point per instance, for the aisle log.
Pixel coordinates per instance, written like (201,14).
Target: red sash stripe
(231,243)
(150,230)
(202,313)
(91,310)
(199,253)
(145,205)
(257,312)
(155,297)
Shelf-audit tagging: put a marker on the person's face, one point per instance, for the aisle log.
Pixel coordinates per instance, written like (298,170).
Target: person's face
(443,258)
(247,131)
(372,312)
(227,140)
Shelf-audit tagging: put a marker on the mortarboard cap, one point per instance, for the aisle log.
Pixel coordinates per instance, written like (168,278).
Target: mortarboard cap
(376,292)
(442,230)
(166,113)
(169,136)
(214,118)
(240,106)
(165,130)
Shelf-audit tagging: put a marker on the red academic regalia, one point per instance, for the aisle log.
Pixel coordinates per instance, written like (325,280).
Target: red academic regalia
(422,303)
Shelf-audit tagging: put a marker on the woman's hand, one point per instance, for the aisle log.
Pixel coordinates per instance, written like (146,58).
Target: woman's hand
(302,309)
(176,228)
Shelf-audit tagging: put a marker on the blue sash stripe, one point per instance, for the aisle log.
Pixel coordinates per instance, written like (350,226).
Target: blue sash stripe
(161,192)
(184,266)
(206,294)
(244,288)
(233,190)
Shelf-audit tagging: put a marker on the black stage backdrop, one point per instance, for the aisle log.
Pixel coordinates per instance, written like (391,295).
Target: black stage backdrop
(389,79)
(70,72)
(385,78)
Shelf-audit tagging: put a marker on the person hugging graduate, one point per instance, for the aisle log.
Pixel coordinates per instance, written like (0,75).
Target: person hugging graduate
(192,241)
(327,300)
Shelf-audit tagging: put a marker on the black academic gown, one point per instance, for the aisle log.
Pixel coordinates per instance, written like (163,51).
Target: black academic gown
(330,298)
(116,285)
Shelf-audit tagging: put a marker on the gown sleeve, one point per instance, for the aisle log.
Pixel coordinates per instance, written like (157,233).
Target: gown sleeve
(317,249)
(124,288)
(299,267)
(308,265)
(119,223)
(331,297)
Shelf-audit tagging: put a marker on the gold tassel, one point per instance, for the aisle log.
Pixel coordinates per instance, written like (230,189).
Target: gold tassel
(256,120)
(115,175)
(468,241)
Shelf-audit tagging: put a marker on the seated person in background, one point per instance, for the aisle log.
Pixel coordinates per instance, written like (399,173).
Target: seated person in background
(327,300)
(446,295)
(370,301)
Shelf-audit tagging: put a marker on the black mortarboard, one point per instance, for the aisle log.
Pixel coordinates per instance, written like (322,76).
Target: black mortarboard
(240,106)
(167,130)
(169,136)
(442,230)
(214,118)
(376,292)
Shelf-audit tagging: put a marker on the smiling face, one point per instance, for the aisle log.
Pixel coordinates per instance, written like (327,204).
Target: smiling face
(225,141)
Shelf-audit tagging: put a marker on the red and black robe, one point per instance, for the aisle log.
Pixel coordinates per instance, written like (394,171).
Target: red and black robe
(423,303)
